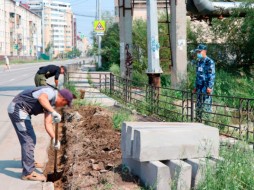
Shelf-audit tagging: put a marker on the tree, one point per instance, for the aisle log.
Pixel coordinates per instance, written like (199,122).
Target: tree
(239,39)
(74,53)
(231,40)
(110,46)
(47,49)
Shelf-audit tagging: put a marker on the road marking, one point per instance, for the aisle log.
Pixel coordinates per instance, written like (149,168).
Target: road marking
(12,79)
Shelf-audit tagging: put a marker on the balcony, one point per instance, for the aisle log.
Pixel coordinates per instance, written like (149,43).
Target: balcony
(11,20)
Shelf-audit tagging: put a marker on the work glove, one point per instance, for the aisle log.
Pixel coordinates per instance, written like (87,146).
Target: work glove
(57,145)
(209,90)
(56,117)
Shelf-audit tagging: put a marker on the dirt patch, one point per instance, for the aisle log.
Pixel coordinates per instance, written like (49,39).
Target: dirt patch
(90,155)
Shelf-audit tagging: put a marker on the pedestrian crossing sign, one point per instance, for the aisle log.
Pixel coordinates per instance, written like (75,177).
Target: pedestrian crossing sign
(99,26)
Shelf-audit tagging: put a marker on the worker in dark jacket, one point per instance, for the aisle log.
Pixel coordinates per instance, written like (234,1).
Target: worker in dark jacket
(48,71)
(30,102)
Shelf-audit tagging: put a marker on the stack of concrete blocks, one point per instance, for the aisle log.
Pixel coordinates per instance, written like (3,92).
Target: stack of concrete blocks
(166,154)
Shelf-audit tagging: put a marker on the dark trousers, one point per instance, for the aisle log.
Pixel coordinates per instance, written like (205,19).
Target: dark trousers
(27,140)
(203,105)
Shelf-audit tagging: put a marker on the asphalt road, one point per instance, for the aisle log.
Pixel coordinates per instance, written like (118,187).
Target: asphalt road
(12,82)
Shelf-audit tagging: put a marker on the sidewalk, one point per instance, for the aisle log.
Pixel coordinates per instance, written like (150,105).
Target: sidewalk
(10,164)
(95,97)
(10,156)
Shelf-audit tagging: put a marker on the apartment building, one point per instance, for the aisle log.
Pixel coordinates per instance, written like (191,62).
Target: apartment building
(83,45)
(58,25)
(20,30)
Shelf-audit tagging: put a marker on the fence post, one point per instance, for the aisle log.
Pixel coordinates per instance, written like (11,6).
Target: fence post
(110,83)
(66,78)
(240,118)
(152,98)
(100,81)
(125,90)
(192,107)
(182,104)
(248,112)
(130,91)
(157,91)
(105,82)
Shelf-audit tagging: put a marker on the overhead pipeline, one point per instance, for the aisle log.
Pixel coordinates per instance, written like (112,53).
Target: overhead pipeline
(209,8)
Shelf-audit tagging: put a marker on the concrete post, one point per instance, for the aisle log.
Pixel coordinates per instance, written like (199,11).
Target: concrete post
(42,28)
(121,31)
(126,46)
(5,41)
(154,70)
(178,43)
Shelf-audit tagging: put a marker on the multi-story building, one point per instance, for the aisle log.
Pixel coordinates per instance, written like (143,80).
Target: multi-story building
(58,25)
(83,45)
(80,46)
(20,30)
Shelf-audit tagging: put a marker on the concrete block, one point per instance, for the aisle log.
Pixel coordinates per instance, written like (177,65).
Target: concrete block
(130,135)
(124,134)
(175,143)
(155,175)
(199,169)
(180,173)
(152,125)
(129,165)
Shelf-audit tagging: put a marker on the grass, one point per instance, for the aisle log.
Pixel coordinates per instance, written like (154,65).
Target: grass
(22,61)
(71,86)
(119,117)
(83,102)
(234,172)
(25,61)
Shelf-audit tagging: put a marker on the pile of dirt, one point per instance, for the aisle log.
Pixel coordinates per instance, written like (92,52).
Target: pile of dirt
(91,155)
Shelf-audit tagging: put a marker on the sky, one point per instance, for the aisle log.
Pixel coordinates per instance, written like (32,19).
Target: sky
(87,7)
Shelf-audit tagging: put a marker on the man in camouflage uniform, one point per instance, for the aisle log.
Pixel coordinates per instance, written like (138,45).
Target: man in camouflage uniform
(205,75)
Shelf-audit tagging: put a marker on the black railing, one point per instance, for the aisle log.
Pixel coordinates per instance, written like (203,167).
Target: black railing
(232,115)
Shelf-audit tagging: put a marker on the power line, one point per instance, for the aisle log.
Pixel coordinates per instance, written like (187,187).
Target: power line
(77,14)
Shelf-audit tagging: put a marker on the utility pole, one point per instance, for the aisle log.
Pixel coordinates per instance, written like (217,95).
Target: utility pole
(37,34)
(42,26)
(126,46)
(121,31)
(5,40)
(99,37)
(15,36)
(73,34)
(154,70)
(178,43)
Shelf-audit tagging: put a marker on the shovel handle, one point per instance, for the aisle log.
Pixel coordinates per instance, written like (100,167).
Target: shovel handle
(56,139)
(56,133)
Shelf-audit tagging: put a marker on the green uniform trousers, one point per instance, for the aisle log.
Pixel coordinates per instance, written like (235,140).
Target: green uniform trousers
(40,80)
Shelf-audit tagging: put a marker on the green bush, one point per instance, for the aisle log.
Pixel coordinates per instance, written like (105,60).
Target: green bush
(115,69)
(139,78)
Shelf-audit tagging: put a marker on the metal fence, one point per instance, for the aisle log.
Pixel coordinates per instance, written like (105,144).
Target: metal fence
(232,115)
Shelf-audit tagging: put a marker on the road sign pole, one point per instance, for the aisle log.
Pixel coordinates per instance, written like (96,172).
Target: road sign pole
(99,37)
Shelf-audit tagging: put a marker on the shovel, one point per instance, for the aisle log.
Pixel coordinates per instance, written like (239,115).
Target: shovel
(57,174)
